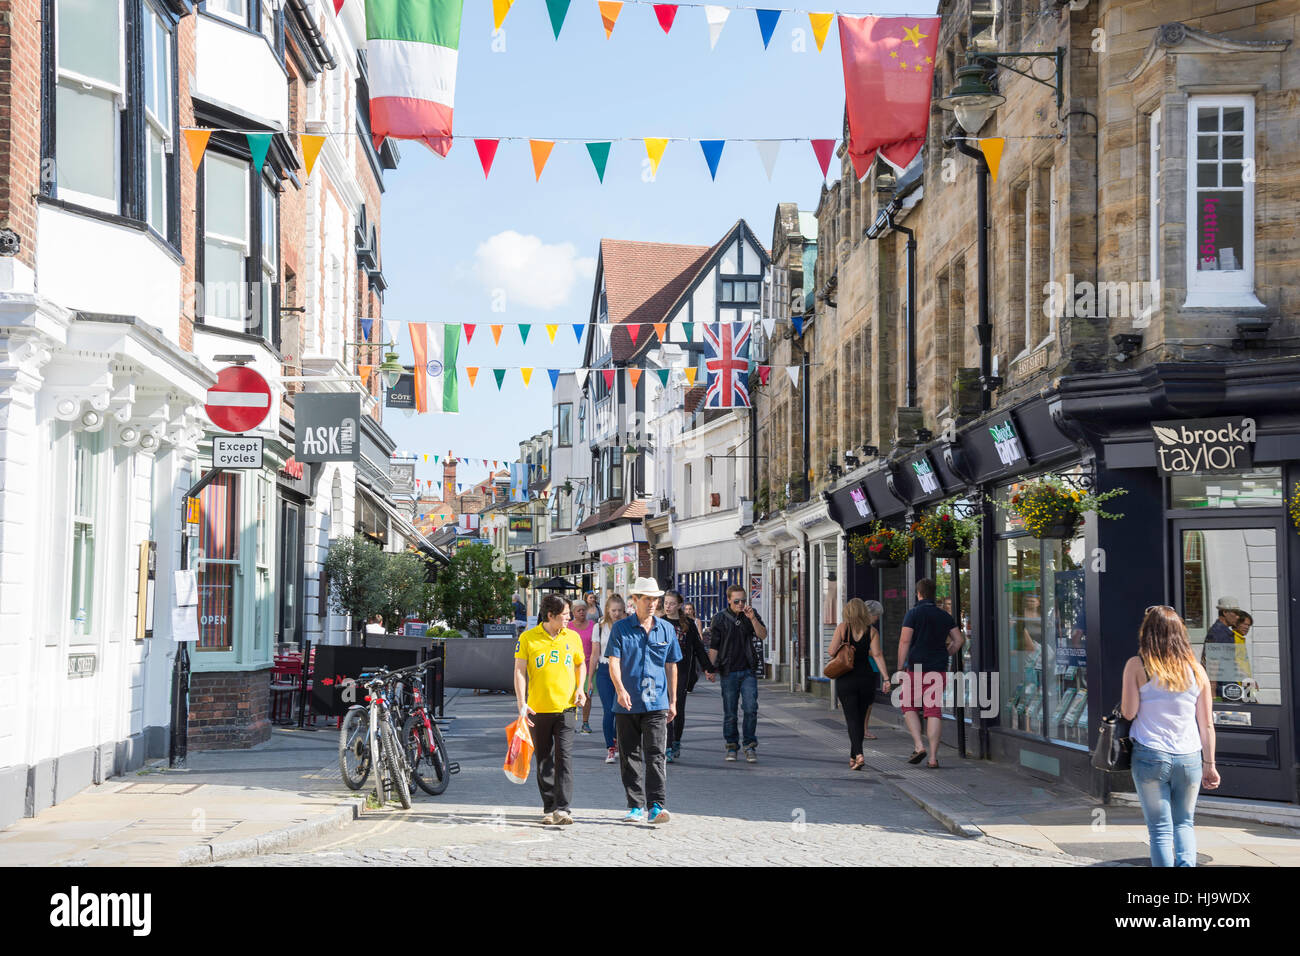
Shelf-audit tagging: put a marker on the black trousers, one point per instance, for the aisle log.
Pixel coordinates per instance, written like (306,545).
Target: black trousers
(856,693)
(643,739)
(678,723)
(553,743)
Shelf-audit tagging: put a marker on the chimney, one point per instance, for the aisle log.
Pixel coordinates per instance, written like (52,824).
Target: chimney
(448,478)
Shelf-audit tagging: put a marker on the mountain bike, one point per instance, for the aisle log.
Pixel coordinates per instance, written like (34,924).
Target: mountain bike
(425,751)
(368,740)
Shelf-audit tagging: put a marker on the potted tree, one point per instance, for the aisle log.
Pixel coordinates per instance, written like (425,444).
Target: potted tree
(1050,508)
(355,569)
(883,547)
(945,534)
(473,589)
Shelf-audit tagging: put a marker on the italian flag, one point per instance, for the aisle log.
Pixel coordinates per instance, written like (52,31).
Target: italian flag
(435,366)
(411,54)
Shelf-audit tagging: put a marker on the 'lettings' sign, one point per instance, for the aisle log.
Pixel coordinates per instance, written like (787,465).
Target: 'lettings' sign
(860,502)
(925,475)
(1007,442)
(1204,446)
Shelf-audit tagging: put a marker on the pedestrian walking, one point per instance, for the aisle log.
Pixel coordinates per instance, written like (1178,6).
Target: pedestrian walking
(694,659)
(1218,653)
(928,637)
(583,628)
(521,615)
(857,689)
(735,648)
(593,606)
(549,672)
(643,656)
(1167,695)
(614,611)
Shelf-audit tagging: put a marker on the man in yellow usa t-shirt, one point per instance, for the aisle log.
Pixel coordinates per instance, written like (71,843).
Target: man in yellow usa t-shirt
(549,673)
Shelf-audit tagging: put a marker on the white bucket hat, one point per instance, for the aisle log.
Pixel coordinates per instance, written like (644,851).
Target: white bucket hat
(646,586)
(1228,604)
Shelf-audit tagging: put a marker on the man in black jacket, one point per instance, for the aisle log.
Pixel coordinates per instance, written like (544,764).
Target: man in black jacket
(736,649)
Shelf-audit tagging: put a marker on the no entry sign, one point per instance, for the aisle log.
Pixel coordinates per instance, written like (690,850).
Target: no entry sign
(240,400)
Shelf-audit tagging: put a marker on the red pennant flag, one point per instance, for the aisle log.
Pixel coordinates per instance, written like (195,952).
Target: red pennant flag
(487,151)
(764,373)
(469,333)
(888,80)
(664,13)
(338,7)
(823,148)
(633,330)
(609,378)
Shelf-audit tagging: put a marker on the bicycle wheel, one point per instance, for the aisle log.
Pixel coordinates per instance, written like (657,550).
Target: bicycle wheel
(429,767)
(398,772)
(354,749)
(378,762)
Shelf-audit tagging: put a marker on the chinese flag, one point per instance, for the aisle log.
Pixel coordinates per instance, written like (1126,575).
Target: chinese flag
(888,79)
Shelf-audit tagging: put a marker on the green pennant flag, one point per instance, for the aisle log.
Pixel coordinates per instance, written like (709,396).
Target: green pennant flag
(558,9)
(599,153)
(663,376)
(523,334)
(689,329)
(258,144)
(500,373)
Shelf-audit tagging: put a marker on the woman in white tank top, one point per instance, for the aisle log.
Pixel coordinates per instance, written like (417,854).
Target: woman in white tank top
(1167,696)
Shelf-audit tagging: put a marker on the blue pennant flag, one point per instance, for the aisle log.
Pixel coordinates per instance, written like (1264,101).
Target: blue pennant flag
(366,326)
(554,373)
(712,153)
(798,324)
(767,24)
(577,331)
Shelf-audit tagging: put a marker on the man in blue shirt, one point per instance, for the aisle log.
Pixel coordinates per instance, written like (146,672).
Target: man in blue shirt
(643,653)
(929,636)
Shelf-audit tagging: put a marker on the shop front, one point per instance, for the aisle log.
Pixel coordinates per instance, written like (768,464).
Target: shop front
(820,556)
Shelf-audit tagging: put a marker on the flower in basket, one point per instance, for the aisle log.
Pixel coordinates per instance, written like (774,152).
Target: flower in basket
(942,530)
(1048,504)
(1293,507)
(882,544)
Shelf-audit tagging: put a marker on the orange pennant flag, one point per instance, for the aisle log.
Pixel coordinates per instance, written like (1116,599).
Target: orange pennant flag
(527,373)
(541,149)
(550,331)
(634,376)
(496,333)
(197,141)
(661,330)
(690,374)
(609,11)
(311,146)
(364,372)
(821,24)
(472,372)
(992,150)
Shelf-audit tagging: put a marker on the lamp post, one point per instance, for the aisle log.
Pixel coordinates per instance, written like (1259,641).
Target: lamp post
(391,367)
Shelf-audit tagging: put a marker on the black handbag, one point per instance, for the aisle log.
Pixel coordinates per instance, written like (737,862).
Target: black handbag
(1114,751)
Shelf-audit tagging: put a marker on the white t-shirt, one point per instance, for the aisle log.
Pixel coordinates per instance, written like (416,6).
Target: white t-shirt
(599,639)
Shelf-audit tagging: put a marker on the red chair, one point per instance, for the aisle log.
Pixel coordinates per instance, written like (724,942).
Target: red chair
(286,677)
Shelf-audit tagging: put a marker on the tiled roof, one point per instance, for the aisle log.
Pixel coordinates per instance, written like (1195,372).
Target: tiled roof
(694,396)
(642,281)
(613,511)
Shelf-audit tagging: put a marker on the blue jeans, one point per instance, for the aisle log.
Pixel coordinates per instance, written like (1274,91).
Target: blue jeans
(740,686)
(1167,785)
(605,688)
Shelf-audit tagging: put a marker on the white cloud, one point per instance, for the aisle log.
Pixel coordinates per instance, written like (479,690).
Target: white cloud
(531,272)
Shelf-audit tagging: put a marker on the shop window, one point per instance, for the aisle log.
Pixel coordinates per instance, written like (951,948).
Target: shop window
(952,593)
(265,611)
(1259,488)
(218,570)
(81,612)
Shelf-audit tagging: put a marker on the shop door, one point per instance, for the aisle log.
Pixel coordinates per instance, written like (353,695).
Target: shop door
(291,610)
(1248,665)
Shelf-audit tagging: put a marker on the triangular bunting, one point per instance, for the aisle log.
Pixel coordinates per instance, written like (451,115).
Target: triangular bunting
(527,374)
(661,330)
(197,141)
(992,150)
(654,148)
(599,153)
(258,144)
(609,11)
(523,334)
(767,151)
(496,333)
(577,331)
(541,150)
(716,17)
(764,373)
(554,374)
(338,6)
(366,326)
(580,376)
(499,10)
(793,371)
(487,151)
(689,329)
(633,330)
(823,148)
(712,153)
(665,13)
(767,24)
(550,332)
(663,374)
(769,327)
(426,459)
(690,374)
(469,332)
(500,374)
(364,372)
(558,10)
(798,324)
(310,144)
(821,24)
(609,378)
(472,372)
(634,376)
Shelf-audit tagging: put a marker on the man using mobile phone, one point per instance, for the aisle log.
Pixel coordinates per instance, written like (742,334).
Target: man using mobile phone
(736,637)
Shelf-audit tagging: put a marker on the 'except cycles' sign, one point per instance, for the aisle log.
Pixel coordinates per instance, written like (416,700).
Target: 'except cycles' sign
(236,451)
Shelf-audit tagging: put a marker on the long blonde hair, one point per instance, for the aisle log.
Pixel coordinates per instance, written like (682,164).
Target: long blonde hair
(857,617)
(1165,650)
(612,599)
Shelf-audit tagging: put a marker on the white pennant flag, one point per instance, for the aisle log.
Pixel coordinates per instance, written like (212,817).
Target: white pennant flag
(767,150)
(769,327)
(717,18)
(794,374)
(390,331)
(580,376)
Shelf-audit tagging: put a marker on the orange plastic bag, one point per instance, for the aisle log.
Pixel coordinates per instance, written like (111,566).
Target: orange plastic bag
(519,752)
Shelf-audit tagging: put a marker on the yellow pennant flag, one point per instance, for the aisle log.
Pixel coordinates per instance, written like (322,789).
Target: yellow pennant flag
(992,149)
(821,23)
(609,11)
(550,331)
(472,372)
(197,141)
(661,329)
(496,333)
(634,376)
(527,373)
(690,375)
(311,146)
(426,459)
(541,149)
(654,148)
(499,10)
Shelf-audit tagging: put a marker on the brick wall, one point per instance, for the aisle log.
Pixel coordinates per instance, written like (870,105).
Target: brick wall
(20,129)
(229,710)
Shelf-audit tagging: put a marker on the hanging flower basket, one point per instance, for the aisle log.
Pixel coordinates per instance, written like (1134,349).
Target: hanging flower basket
(883,563)
(1063,530)
(1050,508)
(1293,507)
(883,547)
(944,534)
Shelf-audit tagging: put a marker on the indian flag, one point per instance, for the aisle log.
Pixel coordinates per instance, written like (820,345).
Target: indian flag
(411,53)
(434,347)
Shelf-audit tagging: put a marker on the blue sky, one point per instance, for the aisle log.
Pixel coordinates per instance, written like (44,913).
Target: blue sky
(450,238)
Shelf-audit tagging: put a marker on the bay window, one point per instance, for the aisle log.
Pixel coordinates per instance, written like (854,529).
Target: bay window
(90,96)
(226,242)
(158,118)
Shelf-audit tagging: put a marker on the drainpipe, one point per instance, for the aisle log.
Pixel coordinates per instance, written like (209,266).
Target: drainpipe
(983,328)
(883,223)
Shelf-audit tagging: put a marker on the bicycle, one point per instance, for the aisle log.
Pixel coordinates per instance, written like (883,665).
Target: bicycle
(425,751)
(369,738)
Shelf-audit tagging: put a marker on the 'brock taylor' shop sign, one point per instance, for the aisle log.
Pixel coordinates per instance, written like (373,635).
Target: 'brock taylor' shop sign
(1204,446)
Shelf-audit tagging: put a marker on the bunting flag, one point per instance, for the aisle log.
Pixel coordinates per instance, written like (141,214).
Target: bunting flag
(366,326)
(888,81)
(821,24)
(689,329)
(472,372)
(554,374)
(580,376)
(716,17)
(426,459)
(793,372)
(541,150)
(527,374)
(764,373)
(654,148)
(797,321)
(608,374)
(500,374)
(557,10)
(310,144)
(767,152)
(665,13)
(726,357)
(499,10)
(338,7)
(690,374)
(663,374)
(550,332)
(496,333)
(633,330)
(992,150)
(634,376)
(823,149)
(577,331)
(599,153)
(609,11)
(769,327)
(258,144)
(767,24)
(364,372)
(523,334)
(411,54)
(469,332)
(712,153)
(420,349)
(661,330)
(487,151)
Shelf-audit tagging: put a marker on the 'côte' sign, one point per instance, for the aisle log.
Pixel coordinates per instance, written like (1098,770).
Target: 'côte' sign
(1204,446)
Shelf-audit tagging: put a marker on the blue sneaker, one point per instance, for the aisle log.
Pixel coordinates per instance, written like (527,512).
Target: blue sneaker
(635,815)
(659,815)
(668,755)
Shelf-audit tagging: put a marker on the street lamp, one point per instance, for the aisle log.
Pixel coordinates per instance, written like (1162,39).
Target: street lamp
(972,100)
(391,367)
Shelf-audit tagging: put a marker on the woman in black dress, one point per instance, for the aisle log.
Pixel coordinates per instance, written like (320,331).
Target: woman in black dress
(693,653)
(857,689)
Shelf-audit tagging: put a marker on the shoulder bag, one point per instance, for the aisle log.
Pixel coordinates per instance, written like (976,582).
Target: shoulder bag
(842,662)
(1114,751)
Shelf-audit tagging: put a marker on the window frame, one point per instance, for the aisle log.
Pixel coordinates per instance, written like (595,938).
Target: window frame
(1155,131)
(564,425)
(92,444)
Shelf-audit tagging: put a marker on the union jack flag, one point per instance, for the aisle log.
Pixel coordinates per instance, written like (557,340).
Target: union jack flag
(726,356)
